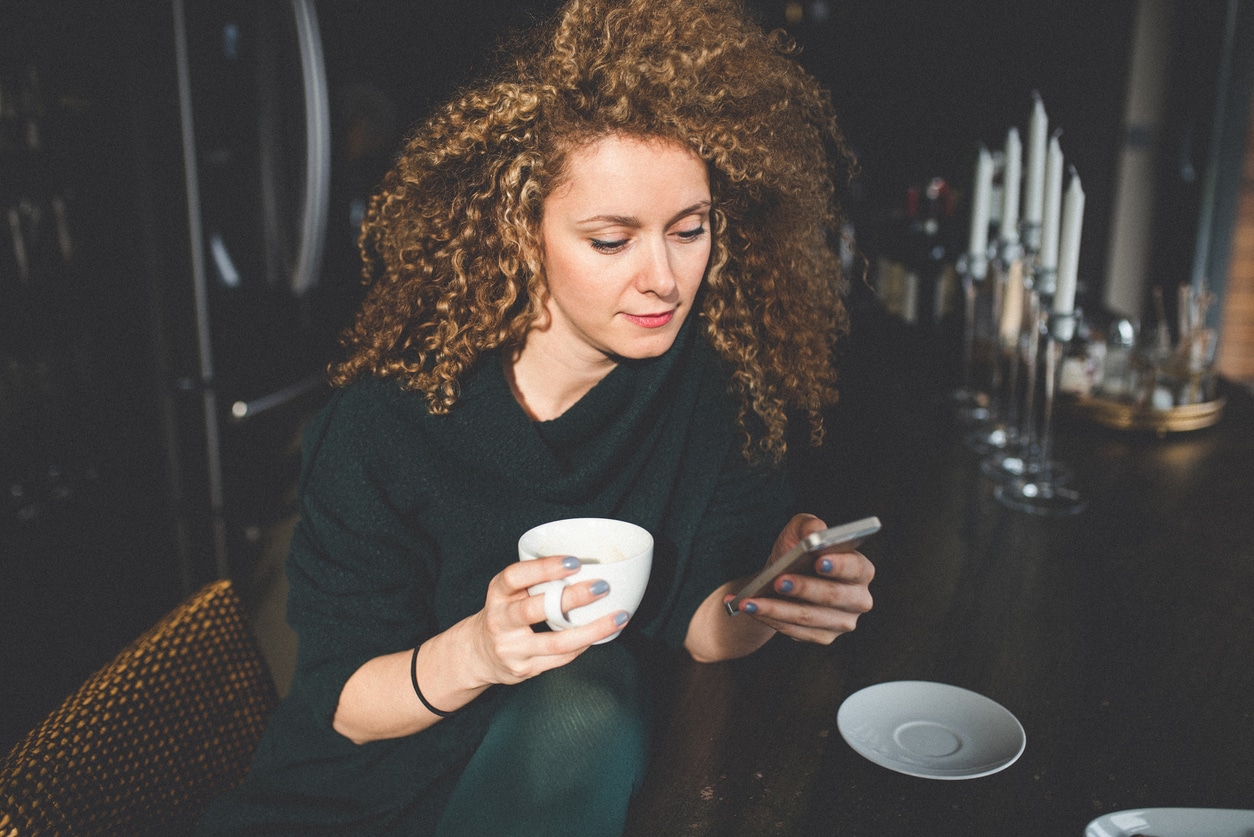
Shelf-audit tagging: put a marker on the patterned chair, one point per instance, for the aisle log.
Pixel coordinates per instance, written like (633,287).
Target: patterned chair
(152,737)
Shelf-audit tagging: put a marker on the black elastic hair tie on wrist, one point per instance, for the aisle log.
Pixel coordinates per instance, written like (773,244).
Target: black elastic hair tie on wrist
(413,678)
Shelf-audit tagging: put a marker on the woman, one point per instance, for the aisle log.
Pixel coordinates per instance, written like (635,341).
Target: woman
(599,284)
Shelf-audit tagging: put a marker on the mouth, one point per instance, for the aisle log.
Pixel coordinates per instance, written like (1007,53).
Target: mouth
(651,320)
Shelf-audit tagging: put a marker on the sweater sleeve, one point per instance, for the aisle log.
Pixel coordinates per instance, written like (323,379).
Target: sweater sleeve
(359,572)
(733,538)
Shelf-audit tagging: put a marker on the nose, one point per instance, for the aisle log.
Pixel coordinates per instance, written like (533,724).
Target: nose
(656,274)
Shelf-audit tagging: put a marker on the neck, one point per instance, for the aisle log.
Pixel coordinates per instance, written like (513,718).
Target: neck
(547,383)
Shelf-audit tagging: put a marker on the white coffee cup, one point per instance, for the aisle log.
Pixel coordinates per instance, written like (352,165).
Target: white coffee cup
(619,552)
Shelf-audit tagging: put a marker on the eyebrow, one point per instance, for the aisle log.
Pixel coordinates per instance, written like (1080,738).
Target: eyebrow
(633,221)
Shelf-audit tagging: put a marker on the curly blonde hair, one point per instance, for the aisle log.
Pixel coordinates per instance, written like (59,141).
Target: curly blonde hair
(450,243)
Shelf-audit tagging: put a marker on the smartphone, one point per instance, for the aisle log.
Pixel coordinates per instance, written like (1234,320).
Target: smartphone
(799,559)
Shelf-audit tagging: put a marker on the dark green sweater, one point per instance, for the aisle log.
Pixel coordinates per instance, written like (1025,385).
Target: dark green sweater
(406,516)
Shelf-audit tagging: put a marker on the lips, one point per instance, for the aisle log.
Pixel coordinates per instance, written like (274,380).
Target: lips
(651,320)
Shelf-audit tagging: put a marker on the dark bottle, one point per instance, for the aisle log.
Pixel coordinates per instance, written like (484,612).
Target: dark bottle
(933,254)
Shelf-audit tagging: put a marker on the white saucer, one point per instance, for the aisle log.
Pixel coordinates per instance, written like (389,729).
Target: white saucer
(1174,822)
(932,730)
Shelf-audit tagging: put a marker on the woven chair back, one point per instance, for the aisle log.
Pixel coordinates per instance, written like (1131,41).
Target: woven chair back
(147,741)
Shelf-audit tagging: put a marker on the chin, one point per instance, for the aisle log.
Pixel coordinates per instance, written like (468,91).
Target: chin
(654,346)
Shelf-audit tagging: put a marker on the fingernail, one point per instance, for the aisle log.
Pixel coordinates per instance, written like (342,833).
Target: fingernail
(621,618)
(785,586)
(749,607)
(570,562)
(825,566)
(600,588)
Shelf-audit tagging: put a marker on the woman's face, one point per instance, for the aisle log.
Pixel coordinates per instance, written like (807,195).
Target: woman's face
(626,243)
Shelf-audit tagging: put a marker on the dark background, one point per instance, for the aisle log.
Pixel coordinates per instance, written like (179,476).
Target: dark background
(93,349)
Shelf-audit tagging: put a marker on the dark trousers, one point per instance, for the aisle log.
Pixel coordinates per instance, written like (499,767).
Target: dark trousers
(561,757)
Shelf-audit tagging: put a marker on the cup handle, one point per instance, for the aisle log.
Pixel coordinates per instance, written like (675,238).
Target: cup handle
(553,606)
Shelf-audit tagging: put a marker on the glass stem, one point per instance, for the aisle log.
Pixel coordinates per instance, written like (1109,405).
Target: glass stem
(1034,325)
(1053,356)
(995,404)
(968,331)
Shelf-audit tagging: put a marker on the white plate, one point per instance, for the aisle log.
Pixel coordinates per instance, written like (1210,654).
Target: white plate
(932,730)
(1174,822)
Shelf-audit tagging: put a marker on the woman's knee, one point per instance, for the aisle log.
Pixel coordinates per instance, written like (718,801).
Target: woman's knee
(562,756)
(582,720)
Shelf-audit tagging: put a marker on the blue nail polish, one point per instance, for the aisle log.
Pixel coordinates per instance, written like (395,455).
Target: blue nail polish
(749,607)
(825,566)
(570,562)
(621,618)
(785,586)
(600,588)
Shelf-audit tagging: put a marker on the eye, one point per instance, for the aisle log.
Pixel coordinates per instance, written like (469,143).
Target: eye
(608,246)
(692,234)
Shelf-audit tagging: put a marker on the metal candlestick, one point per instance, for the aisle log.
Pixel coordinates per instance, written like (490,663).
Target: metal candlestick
(1030,234)
(971,403)
(1040,493)
(1016,459)
(998,432)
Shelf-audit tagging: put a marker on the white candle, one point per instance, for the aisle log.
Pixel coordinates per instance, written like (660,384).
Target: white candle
(1034,193)
(1010,188)
(1052,212)
(1069,246)
(981,194)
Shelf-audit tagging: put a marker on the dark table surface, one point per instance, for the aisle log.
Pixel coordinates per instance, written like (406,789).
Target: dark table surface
(1121,638)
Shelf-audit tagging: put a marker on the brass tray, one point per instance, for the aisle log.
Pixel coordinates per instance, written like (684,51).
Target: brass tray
(1123,416)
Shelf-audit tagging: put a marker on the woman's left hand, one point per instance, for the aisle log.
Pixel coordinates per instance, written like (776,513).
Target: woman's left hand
(819,607)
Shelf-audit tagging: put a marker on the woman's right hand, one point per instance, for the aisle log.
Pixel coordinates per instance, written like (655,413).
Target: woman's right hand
(506,648)
(495,645)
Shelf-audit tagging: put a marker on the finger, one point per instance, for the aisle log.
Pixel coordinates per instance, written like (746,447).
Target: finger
(573,597)
(824,592)
(803,620)
(800,614)
(573,641)
(849,567)
(523,653)
(598,629)
(510,604)
(521,575)
(797,528)
(797,633)
(802,633)
(584,593)
(808,524)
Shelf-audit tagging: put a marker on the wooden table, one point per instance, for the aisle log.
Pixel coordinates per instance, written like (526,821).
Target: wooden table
(1122,639)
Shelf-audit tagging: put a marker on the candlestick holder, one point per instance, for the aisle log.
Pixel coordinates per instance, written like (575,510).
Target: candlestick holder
(1044,285)
(971,404)
(1023,460)
(1030,235)
(1016,460)
(1019,459)
(1041,494)
(997,432)
(1045,280)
